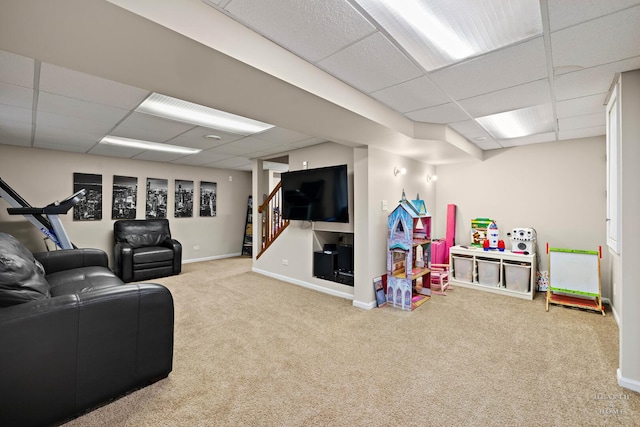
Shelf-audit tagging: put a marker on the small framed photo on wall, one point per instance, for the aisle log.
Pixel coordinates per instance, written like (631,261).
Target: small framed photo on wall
(208,197)
(89,208)
(184,199)
(125,196)
(156,198)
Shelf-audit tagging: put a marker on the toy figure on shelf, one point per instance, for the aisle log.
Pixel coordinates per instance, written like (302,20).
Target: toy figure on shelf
(492,241)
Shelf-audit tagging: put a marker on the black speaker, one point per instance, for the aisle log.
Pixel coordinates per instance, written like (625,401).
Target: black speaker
(329,247)
(345,258)
(324,264)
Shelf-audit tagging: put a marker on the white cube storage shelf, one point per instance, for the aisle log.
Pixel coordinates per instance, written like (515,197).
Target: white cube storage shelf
(503,273)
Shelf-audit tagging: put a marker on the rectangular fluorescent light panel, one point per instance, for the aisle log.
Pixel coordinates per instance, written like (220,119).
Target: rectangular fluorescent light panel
(518,123)
(199,115)
(147,145)
(437,33)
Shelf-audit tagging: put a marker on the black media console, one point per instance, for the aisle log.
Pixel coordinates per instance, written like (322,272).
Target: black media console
(334,263)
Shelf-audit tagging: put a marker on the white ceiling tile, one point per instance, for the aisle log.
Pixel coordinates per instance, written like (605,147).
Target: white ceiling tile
(411,95)
(581,106)
(76,108)
(56,138)
(232,163)
(371,64)
(245,146)
(446,113)
(309,28)
(590,44)
(466,126)
(74,84)
(16,69)
(530,139)
(513,98)
(280,135)
(15,114)
(585,121)
(203,158)
(150,128)
(564,13)
(15,133)
(79,124)
(591,81)
(512,66)
(16,96)
(583,132)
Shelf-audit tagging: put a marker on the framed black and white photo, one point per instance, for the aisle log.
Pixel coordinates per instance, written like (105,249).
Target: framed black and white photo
(89,208)
(156,198)
(208,197)
(184,199)
(125,196)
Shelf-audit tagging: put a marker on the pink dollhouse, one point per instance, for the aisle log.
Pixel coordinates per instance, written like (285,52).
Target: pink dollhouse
(408,242)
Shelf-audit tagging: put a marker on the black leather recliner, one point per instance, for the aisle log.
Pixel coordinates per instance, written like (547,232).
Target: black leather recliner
(145,250)
(73,336)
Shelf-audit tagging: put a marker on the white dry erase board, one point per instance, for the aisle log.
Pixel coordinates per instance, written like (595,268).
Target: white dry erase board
(574,272)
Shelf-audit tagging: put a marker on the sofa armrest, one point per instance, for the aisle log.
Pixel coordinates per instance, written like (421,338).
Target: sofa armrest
(67,259)
(67,354)
(176,247)
(123,261)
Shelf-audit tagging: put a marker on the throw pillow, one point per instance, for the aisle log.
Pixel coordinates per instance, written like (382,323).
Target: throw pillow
(21,279)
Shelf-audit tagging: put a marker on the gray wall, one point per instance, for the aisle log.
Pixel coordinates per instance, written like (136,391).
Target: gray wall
(43,176)
(557,188)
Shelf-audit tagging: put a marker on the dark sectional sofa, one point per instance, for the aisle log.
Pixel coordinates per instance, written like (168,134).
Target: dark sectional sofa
(73,336)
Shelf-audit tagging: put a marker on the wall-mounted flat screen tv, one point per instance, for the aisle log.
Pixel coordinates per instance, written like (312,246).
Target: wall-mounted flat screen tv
(319,194)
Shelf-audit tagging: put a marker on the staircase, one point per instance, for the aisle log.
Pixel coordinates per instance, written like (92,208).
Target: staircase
(271,220)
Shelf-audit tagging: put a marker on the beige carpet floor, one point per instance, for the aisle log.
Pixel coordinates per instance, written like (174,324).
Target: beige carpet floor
(254,351)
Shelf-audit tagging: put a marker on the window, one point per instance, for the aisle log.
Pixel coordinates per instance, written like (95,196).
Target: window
(613,169)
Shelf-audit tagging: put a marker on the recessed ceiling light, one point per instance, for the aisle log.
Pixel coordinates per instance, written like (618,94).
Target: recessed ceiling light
(199,115)
(147,145)
(517,123)
(437,33)
(214,137)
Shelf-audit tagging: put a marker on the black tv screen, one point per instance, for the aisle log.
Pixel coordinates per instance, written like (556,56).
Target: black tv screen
(316,194)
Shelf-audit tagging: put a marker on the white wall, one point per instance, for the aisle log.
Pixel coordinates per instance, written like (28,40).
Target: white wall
(290,257)
(558,188)
(44,176)
(626,266)
(371,175)
(383,186)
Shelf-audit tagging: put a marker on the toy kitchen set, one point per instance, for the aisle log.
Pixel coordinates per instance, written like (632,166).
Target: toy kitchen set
(487,264)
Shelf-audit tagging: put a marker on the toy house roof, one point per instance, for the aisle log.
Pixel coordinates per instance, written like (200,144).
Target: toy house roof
(415,208)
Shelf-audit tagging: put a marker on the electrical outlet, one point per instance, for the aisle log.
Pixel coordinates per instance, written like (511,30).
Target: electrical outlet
(196,248)
(384,205)
(305,165)
(285,261)
(230,178)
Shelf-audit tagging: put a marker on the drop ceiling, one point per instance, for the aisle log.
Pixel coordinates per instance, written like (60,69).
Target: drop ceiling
(318,70)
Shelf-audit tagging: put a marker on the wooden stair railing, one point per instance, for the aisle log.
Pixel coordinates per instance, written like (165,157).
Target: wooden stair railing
(271,219)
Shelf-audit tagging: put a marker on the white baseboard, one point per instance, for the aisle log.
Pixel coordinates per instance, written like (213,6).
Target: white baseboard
(365,305)
(304,284)
(210,258)
(628,382)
